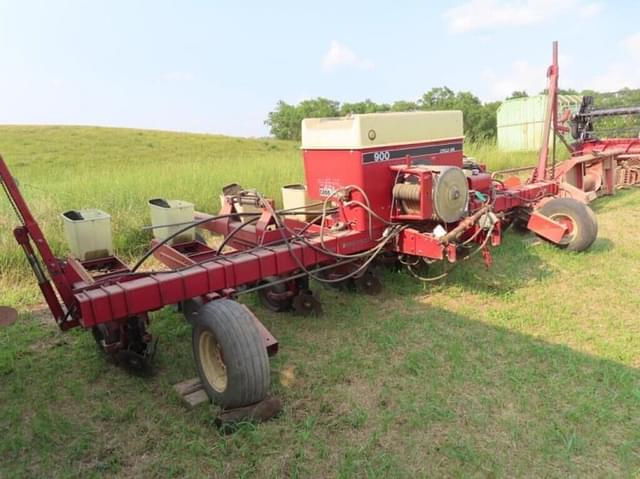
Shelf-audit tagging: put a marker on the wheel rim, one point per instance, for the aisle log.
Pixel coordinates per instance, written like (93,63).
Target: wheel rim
(571,225)
(212,362)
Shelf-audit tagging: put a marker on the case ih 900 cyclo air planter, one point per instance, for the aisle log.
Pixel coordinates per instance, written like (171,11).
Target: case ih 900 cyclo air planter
(390,186)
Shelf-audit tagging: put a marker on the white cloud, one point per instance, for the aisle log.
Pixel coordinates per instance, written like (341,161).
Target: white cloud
(616,75)
(474,15)
(621,73)
(521,76)
(341,56)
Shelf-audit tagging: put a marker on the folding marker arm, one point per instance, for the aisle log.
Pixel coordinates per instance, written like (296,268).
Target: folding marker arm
(29,235)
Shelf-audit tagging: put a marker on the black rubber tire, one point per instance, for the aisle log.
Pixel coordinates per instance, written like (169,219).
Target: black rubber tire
(242,349)
(519,225)
(388,260)
(101,332)
(98,335)
(276,305)
(584,220)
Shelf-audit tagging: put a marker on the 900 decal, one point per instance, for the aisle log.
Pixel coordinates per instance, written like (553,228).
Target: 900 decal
(431,150)
(381,155)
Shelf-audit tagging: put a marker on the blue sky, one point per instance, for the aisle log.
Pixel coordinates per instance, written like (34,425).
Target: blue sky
(220,67)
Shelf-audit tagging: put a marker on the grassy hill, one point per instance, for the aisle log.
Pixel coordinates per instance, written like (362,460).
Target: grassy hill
(526,369)
(118,171)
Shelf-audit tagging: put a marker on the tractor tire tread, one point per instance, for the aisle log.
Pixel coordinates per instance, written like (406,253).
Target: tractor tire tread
(245,356)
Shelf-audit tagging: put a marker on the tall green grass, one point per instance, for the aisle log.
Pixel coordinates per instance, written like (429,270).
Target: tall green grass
(489,154)
(119,170)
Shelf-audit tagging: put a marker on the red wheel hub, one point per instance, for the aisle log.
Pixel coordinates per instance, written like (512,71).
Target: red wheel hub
(567,222)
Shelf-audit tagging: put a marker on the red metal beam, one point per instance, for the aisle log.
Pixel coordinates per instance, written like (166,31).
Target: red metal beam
(551,116)
(130,294)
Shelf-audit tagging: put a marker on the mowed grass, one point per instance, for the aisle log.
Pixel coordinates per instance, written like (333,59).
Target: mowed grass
(526,369)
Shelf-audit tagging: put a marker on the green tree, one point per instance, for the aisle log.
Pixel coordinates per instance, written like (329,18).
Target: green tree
(562,91)
(517,94)
(366,106)
(479,119)
(439,98)
(403,105)
(285,121)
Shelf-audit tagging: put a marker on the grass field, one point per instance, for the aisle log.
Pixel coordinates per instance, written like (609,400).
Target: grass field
(527,369)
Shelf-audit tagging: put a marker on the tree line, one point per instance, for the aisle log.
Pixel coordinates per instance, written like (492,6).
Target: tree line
(479,118)
(285,120)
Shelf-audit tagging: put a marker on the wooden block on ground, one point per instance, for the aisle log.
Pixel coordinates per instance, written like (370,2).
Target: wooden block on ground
(191,392)
(262,411)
